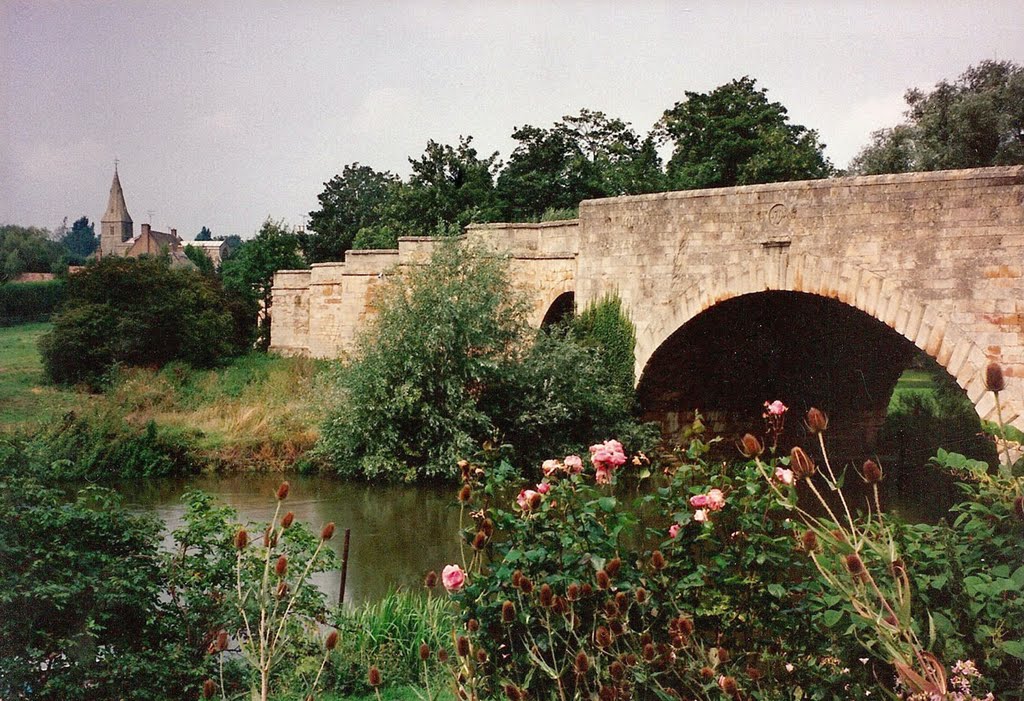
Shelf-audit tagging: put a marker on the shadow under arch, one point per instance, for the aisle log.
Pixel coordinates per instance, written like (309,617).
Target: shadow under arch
(562,308)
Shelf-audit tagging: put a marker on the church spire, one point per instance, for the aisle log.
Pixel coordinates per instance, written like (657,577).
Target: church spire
(116,225)
(117,210)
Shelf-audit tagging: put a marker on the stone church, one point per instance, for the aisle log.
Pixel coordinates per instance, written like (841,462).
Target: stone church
(117,233)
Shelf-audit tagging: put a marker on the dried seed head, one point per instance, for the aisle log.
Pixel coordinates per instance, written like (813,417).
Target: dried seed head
(462,646)
(898,568)
(281,566)
(286,520)
(817,421)
(327,533)
(641,595)
(728,685)
(603,580)
(707,672)
(487,527)
(525,585)
(684,626)
(222,641)
(430,581)
(270,537)
(854,565)
(209,689)
(621,600)
(373,677)
(754,673)
(479,540)
(645,638)
(657,560)
(994,381)
(581,664)
(465,494)
(424,652)
(332,640)
(442,655)
(872,472)
(809,541)
(630,659)
(616,628)
(517,578)
(750,446)
(512,693)
(508,612)
(481,656)
(801,463)
(617,670)
(573,592)
(649,652)
(282,590)
(606,693)
(603,637)
(723,655)
(546,595)
(586,589)
(613,566)
(472,625)
(241,539)
(611,609)
(282,491)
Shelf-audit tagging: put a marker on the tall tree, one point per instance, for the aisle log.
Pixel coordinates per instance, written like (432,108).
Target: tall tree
(359,197)
(27,250)
(449,187)
(204,235)
(734,135)
(250,271)
(81,241)
(973,122)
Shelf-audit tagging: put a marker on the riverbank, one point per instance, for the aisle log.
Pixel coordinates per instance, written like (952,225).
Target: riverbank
(257,412)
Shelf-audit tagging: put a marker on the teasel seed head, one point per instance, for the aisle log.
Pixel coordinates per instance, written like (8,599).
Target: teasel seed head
(241,539)
(326,534)
(994,381)
(508,612)
(603,637)
(809,541)
(750,446)
(854,565)
(281,566)
(465,494)
(641,595)
(222,641)
(872,472)
(424,652)
(332,640)
(472,625)
(801,463)
(612,567)
(282,491)
(286,520)
(209,689)
(657,560)
(546,595)
(373,677)
(581,664)
(430,581)
(462,646)
(817,420)
(479,540)
(603,580)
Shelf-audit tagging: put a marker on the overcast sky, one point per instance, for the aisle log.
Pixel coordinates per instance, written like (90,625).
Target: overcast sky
(224,113)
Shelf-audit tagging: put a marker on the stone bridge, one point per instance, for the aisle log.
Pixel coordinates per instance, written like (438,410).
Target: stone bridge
(814,292)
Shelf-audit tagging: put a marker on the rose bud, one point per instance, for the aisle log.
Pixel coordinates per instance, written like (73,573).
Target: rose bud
(994,381)
(241,539)
(281,567)
(508,612)
(286,520)
(817,420)
(373,677)
(332,640)
(801,463)
(750,446)
(872,472)
(430,581)
(282,491)
(326,534)
(209,689)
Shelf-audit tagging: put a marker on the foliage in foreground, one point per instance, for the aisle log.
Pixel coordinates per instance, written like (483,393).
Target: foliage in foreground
(449,363)
(718,584)
(141,312)
(29,301)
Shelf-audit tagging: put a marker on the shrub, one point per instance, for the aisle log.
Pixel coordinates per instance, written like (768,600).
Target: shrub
(29,301)
(605,326)
(125,311)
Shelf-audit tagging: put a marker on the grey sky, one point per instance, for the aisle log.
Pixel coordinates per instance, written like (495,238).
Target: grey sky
(223,113)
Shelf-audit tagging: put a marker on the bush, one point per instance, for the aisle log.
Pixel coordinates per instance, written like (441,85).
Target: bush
(29,301)
(125,311)
(449,363)
(605,326)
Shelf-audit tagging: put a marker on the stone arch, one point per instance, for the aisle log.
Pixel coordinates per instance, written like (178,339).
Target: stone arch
(562,308)
(925,325)
(543,300)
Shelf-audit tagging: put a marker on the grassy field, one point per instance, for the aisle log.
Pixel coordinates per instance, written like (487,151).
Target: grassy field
(258,411)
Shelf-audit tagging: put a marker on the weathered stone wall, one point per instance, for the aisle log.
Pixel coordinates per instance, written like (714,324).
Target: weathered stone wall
(938,257)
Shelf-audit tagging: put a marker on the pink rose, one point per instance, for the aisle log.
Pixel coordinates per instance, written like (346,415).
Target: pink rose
(525,497)
(783,475)
(573,464)
(699,501)
(716,500)
(453,577)
(550,467)
(700,515)
(608,454)
(776,408)
(603,475)
(673,530)
(543,488)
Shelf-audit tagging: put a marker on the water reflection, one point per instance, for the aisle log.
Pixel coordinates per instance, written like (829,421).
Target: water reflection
(398,532)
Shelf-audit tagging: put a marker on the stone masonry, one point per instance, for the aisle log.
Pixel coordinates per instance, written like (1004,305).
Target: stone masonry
(938,258)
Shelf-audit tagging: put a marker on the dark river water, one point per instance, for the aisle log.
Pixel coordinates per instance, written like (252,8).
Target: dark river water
(398,532)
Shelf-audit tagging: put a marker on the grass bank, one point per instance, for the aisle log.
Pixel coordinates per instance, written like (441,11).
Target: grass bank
(256,412)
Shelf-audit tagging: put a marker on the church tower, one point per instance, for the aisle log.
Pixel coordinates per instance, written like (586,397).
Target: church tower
(116,222)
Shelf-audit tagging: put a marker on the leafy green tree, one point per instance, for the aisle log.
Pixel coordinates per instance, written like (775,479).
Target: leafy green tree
(973,122)
(128,311)
(358,198)
(249,272)
(376,237)
(27,250)
(204,235)
(451,186)
(200,259)
(81,241)
(734,135)
(582,156)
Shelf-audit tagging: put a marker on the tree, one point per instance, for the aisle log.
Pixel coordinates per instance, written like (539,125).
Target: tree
(200,259)
(204,235)
(449,186)
(250,270)
(27,250)
(973,122)
(734,135)
(358,198)
(142,312)
(81,241)
(582,156)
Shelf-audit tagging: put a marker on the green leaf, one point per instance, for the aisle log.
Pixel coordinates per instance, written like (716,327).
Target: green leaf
(607,504)
(832,617)
(1014,648)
